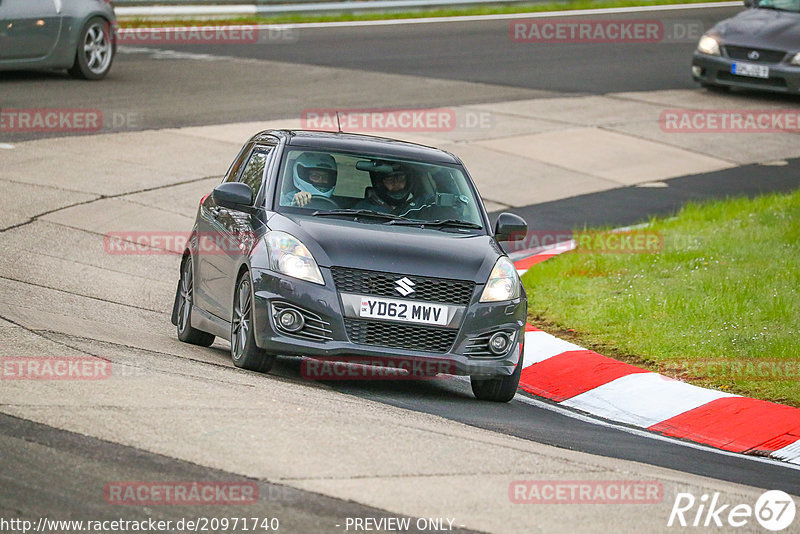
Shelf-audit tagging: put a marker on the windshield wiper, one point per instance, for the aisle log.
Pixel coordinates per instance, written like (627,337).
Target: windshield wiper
(359,213)
(458,223)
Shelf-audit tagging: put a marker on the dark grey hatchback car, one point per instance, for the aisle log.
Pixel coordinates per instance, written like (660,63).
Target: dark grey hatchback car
(757,49)
(77,35)
(340,246)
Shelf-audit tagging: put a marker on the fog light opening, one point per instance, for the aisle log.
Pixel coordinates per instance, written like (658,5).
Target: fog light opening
(697,70)
(291,320)
(499,343)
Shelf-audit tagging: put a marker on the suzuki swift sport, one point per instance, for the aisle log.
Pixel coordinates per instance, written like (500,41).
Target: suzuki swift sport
(340,246)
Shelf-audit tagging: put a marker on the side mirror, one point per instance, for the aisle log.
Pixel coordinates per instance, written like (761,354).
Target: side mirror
(510,227)
(233,195)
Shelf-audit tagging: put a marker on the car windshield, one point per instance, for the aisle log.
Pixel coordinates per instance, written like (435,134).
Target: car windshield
(783,5)
(378,189)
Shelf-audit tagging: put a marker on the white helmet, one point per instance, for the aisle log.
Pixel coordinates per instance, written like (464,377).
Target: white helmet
(316,161)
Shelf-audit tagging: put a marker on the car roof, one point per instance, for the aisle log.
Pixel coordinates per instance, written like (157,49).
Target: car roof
(365,144)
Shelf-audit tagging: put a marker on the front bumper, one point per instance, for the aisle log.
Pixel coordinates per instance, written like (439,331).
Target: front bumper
(716,70)
(329,337)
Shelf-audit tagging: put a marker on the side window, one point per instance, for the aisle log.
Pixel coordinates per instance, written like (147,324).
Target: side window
(233,171)
(254,169)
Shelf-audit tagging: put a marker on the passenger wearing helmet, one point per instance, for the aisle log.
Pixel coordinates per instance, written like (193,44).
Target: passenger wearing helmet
(313,174)
(391,192)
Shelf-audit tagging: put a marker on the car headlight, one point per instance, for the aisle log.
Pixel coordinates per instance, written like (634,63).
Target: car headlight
(708,45)
(503,283)
(289,256)
(795,60)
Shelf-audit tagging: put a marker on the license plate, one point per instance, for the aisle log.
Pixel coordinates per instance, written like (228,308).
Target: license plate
(404,311)
(748,69)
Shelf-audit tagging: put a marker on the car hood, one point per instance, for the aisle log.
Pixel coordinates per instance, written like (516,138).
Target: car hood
(337,241)
(762,28)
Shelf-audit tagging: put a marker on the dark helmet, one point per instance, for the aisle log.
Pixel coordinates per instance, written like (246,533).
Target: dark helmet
(315,161)
(393,198)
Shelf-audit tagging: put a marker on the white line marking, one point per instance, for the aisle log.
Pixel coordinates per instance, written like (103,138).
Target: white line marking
(149,11)
(482,18)
(510,16)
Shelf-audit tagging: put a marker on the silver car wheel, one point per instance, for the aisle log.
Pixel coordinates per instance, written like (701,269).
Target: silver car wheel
(241,319)
(97,47)
(185,305)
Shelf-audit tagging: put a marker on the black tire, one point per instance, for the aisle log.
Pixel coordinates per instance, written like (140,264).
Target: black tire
(186,333)
(95,52)
(244,351)
(500,389)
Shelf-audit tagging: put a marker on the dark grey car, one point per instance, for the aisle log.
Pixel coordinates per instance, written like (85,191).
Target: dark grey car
(423,285)
(77,35)
(757,49)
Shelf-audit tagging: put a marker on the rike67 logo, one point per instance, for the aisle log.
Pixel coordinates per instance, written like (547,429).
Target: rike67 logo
(774,510)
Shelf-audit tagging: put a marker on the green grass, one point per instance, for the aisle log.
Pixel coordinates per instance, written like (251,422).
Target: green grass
(725,289)
(475,10)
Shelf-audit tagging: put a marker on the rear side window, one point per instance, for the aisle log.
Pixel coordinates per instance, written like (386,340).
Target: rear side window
(236,166)
(253,172)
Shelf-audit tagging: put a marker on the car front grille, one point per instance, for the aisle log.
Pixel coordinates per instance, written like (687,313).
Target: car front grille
(764,56)
(400,336)
(386,285)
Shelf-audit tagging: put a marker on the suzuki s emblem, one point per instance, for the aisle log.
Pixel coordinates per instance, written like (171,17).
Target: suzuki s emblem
(404,286)
(753,54)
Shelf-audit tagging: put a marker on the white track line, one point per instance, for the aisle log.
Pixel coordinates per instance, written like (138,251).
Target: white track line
(511,16)
(480,18)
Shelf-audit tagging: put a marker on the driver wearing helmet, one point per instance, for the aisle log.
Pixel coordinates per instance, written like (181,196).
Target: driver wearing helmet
(391,192)
(314,174)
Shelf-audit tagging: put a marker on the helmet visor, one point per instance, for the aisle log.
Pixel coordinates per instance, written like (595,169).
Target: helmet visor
(322,179)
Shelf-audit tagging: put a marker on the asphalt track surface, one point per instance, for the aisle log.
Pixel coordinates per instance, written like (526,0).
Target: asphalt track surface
(484,52)
(631,205)
(435,64)
(459,52)
(49,464)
